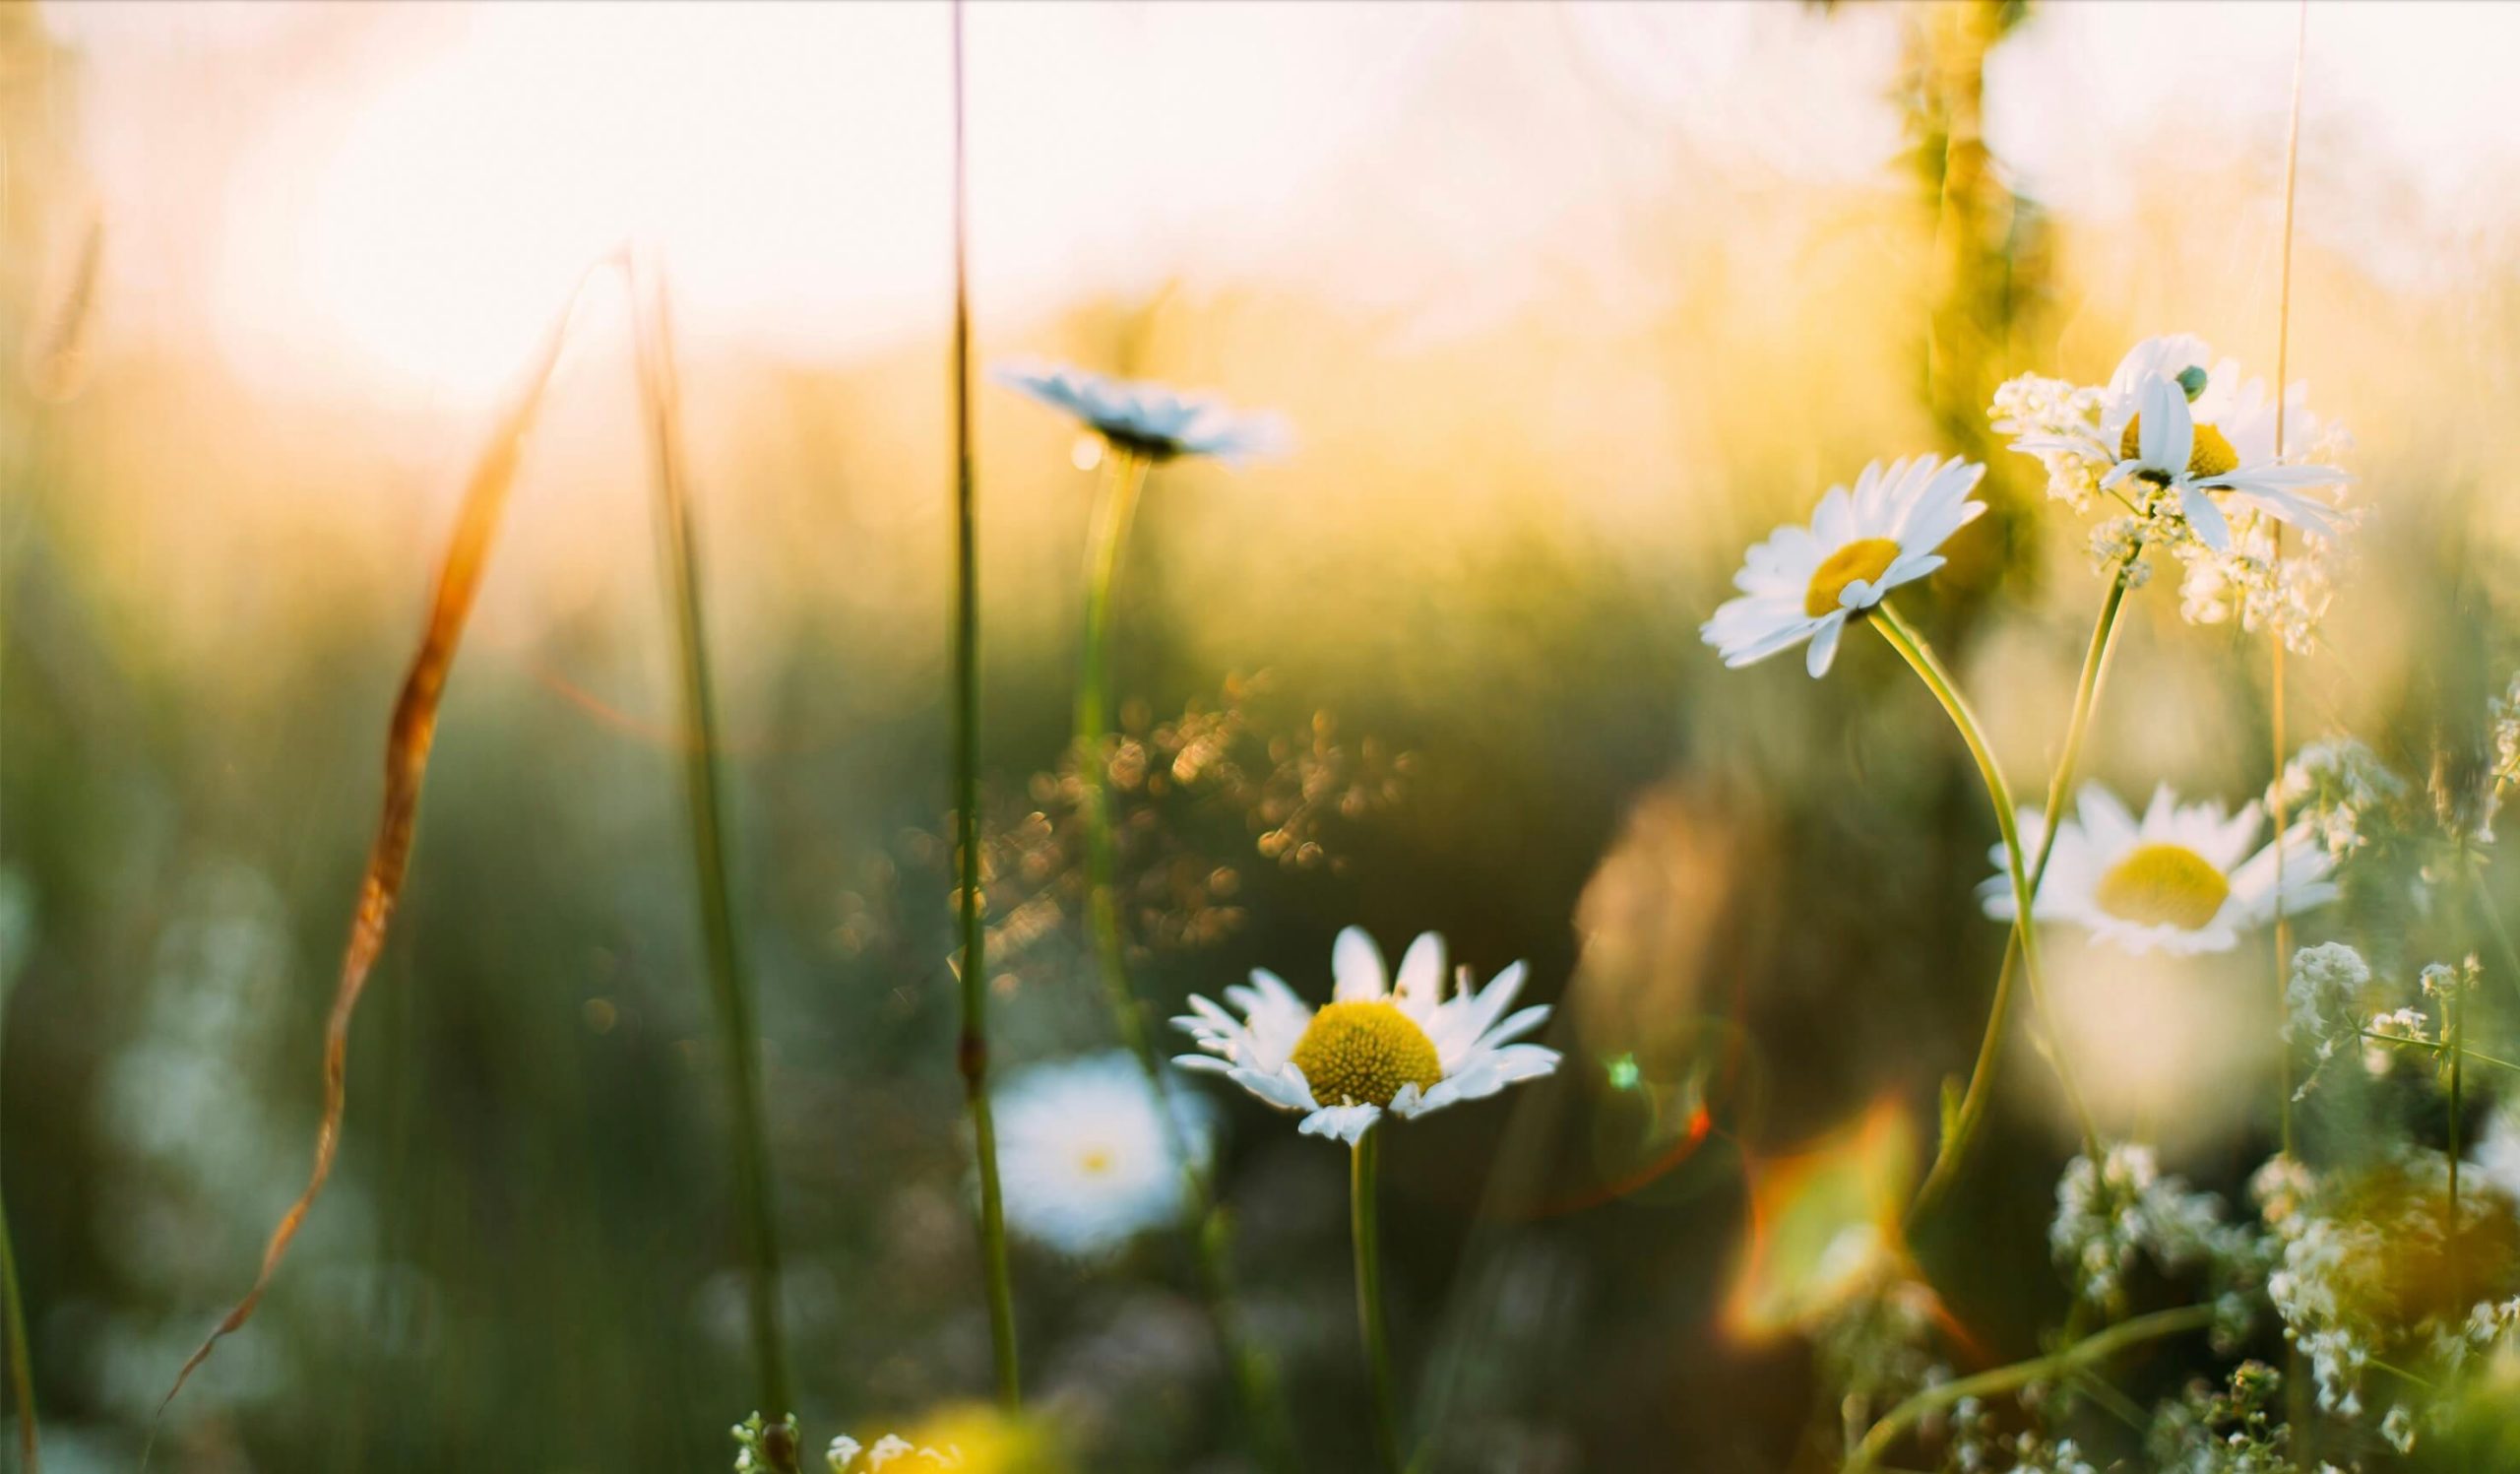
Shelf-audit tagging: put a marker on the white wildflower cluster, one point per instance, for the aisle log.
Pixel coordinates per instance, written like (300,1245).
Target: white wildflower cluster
(2373,1268)
(2261,588)
(2058,423)
(845,1456)
(2321,1004)
(1979,1446)
(2226,1429)
(1875,1343)
(2339,786)
(2120,540)
(2109,1216)
(2503,713)
(2199,475)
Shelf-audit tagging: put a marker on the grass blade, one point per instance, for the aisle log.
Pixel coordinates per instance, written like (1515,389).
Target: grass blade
(409,736)
(660,397)
(13,1324)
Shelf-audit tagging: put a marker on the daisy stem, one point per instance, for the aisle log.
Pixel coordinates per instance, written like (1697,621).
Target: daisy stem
(1363,1162)
(1973,1102)
(972,1049)
(1210,1230)
(1887,1432)
(1920,657)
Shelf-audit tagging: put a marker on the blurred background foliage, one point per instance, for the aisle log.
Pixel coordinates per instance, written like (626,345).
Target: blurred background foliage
(1460,622)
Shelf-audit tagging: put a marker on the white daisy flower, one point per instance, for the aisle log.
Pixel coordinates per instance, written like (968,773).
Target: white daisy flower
(1806,583)
(1083,1152)
(1405,1049)
(2168,445)
(1152,420)
(2180,880)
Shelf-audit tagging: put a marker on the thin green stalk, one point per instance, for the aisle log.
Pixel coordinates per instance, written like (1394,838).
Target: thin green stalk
(2297,1400)
(1963,1126)
(1921,659)
(971,1050)
(1210,1230)
(1887,1432)
(1363,1162)
(2383,1037)
(704,790)
(2453,1030)
(22,1385)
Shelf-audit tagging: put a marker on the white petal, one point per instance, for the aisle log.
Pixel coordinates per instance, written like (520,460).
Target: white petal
(1824,645)
(2212,528)
(1420,985)
(1349,1124)
(1357,963)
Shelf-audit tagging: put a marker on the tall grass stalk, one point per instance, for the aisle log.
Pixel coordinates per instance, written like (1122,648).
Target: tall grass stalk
(409,735)
(1962,1128)
(13,1326)
(1921,657)
(972,1052)
(1210,1227)
(1364,1161)
(2283,928)
(729,982)
(2297,1401)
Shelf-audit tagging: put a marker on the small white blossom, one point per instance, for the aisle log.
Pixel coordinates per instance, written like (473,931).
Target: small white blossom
(2319,1003)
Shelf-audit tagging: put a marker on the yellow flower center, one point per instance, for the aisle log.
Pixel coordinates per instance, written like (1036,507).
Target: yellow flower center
(2209,454)
(1096,1161)
(1361,1053)
(1865,558)
(2164,885)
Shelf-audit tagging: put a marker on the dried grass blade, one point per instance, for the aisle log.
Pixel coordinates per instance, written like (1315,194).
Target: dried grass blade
(407,755)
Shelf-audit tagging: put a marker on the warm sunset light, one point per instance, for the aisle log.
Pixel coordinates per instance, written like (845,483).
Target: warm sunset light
(1382,736)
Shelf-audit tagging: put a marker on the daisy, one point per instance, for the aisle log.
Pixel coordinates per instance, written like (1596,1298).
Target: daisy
(2168,446)
(1087,1159)
(2181,879)
(1806,583)
(1150,420)
(1374,1047)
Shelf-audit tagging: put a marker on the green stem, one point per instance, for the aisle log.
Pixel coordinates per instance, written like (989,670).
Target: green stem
(972,1049)
(1364,1160)
(2437,1047)
(1210,1229)
(1887,1432)
(703,788)
(2454,1028)
(1963,1128)
(1913,649)
(13,1322)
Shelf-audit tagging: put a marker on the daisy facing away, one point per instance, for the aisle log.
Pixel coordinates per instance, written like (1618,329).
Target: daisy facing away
(1401,1047)
(1147,420)
(1088,1162)
(1804,583)
(2181,879)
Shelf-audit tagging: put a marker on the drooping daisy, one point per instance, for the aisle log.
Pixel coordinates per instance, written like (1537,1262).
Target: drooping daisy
(2181,879)
(1405,1049)
(1806,583)
(2097,437)
(1085,1160)
(2166,445)
(1152,420)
